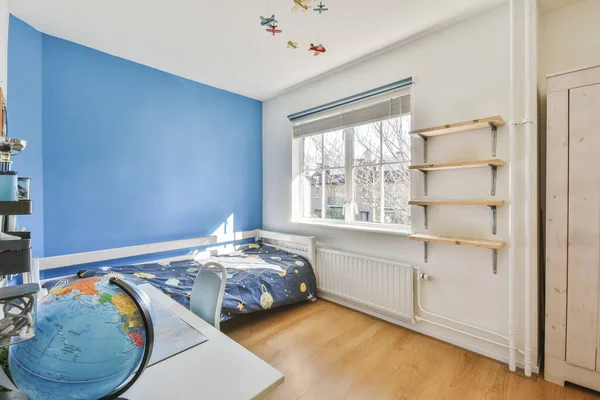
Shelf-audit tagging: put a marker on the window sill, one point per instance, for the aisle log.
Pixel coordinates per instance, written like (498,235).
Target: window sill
(400,231)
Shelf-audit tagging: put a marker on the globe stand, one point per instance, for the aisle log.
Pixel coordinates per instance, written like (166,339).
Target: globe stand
(144,306)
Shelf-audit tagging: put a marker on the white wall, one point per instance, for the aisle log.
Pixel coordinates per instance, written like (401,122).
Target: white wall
(462,72)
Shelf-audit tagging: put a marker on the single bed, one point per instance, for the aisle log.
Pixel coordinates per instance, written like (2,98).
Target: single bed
(274,271)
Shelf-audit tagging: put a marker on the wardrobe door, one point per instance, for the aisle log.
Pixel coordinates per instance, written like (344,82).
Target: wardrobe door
(584,226)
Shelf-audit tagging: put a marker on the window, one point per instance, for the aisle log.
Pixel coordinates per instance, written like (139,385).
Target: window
(354,163)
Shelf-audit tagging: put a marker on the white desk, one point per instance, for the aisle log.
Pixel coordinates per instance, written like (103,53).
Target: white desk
(217,369)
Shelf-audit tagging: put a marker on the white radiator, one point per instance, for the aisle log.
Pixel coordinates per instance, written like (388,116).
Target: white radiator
(381,286)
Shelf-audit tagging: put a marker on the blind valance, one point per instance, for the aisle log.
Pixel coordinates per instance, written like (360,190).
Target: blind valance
(376,108)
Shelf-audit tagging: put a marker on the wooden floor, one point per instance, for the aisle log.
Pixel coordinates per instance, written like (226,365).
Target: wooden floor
(330,352)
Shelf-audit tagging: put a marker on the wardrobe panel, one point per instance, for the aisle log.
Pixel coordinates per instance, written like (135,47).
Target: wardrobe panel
(584,226)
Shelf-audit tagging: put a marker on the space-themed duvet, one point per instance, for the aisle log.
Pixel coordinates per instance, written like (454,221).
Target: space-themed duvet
(260,277)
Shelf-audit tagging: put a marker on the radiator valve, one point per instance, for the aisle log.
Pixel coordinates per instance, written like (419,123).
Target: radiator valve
(425,277)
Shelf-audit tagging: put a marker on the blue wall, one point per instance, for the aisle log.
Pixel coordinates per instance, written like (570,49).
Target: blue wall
(133,155)
(25,117)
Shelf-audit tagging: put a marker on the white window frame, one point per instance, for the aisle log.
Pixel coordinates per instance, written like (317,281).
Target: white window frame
(348,223)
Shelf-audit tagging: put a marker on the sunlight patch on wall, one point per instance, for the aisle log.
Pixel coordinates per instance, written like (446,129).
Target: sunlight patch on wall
(227,227)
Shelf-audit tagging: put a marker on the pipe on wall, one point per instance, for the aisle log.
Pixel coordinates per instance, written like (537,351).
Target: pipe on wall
(528,123)
(511,189)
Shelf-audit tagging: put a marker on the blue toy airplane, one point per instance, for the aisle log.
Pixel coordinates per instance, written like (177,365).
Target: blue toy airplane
(268,21)
(321,8)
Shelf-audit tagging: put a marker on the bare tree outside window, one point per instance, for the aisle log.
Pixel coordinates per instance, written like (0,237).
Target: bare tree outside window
(372,184)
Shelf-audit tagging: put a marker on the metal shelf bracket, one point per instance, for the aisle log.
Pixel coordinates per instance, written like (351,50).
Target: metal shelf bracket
(494,219)
(494,178)
(494,138)
(425,182)
(425,216)
(495,261)
(425,145)
(426,250)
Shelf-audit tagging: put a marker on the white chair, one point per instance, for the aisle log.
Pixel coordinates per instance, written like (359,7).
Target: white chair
(206,299)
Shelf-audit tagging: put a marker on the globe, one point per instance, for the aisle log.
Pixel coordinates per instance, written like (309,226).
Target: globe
(90,340)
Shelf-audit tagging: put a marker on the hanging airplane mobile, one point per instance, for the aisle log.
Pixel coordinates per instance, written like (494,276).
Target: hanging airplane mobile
(273,29)
(268,21)
(301,5)
(321,8)
(317,49)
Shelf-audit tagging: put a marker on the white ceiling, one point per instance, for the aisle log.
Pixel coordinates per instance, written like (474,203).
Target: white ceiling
(221,42)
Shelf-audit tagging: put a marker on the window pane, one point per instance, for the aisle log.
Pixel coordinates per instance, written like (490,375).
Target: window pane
(367,193)
(367,146)
(313,152)
(397,194)
(334,149)
(396,139)
(312,194)
(336,193)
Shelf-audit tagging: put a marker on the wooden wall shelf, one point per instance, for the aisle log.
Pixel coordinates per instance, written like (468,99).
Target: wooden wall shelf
(466,126)
(459,241)
(493,245)
(494,162)
(492,122)
(488,203)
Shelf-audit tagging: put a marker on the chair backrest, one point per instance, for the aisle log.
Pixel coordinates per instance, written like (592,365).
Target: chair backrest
(208,291)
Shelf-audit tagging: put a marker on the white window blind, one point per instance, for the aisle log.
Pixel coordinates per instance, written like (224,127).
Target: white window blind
(377,108)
